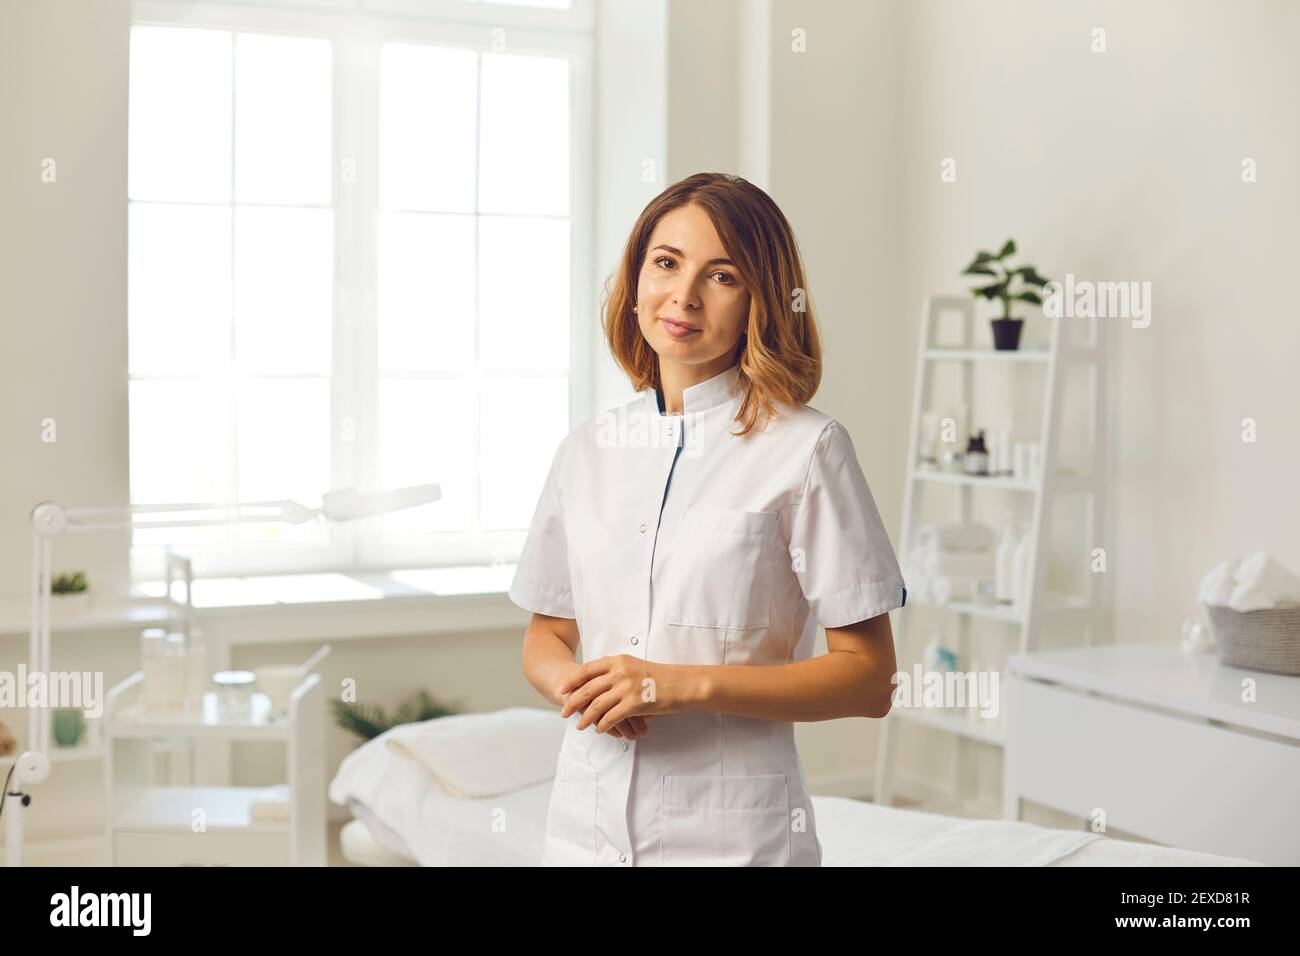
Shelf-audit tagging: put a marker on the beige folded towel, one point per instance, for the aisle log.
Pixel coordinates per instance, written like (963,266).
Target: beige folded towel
(271,805)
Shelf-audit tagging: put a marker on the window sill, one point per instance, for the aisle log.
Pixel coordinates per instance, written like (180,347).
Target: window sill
(334,606)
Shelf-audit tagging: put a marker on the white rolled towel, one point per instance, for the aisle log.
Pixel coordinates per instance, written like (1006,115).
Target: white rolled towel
(956,536)
(1217,584)
(979,563)
(1263,583)
(954,587)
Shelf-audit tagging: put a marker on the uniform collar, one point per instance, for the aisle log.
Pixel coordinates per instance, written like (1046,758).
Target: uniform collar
(707,394)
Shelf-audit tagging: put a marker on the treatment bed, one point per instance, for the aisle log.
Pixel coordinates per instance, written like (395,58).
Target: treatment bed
(434,794)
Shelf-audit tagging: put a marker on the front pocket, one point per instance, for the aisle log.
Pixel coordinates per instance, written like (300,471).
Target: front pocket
(725,821)
(571,817)
(719,573)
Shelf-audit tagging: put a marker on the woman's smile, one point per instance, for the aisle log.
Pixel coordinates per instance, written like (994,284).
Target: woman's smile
(677,329)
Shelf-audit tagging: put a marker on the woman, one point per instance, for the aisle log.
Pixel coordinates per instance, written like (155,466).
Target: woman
(695,561)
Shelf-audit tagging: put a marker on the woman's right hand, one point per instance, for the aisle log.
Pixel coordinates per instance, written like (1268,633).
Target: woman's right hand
(631,728)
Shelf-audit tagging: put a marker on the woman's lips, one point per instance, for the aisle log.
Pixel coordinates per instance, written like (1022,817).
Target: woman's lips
(678,330)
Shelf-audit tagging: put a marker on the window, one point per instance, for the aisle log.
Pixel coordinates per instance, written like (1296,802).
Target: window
(354,260)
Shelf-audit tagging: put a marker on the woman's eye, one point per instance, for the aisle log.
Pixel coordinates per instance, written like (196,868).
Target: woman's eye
(728,278)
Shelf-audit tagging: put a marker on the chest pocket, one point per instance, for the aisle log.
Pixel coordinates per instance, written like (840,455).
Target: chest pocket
(721,574)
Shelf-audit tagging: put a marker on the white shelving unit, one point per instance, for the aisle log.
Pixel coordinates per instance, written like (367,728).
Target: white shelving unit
(1041,607)
(150,823)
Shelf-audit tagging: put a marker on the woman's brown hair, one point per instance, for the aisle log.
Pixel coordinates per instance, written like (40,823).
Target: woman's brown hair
(780,351)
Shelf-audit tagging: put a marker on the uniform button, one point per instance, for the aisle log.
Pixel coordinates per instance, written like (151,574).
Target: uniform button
(635,639)
(625,746)
(622,858)
(643,529)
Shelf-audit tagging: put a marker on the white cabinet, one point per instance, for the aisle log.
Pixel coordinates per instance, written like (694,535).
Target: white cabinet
(1162,743)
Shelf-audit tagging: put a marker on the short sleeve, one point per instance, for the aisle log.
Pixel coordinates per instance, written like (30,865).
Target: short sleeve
(842,556)
(542,583)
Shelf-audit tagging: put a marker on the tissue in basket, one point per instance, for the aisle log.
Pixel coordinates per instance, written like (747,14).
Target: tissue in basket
(1265,640)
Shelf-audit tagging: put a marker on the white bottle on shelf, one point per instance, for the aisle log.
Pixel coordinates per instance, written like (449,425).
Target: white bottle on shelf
(175,677)
(197,676)
(1020,568)
(1002,455)
(1003,589)
(154,665)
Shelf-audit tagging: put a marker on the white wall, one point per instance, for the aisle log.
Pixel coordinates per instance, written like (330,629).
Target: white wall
(62,277)
(1126,165)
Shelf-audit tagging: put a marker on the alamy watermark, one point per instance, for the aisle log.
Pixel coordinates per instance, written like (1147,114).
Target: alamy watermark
(1085,299)
(84,689)
(943,689)
(632,427)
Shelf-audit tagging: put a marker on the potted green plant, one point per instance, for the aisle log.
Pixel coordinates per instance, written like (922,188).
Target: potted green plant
(70,592)
(368,721)
(1006,328)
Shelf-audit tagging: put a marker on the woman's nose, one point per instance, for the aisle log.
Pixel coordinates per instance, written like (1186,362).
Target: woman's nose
(684,292)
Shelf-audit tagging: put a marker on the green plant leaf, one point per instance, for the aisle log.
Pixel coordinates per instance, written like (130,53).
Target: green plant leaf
(1031,276)
(366,721)
(994,291)
(1008,248)
(978,269)
(1028,296)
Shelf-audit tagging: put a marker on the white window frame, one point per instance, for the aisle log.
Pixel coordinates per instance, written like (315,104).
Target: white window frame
(357,30)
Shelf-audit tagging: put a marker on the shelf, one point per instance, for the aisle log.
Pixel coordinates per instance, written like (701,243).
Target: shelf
(983,481)
(171,809)
(15,616)
(964,723)
(134,723)
(1050,604)
(992,612)
(64,754)
(987,355)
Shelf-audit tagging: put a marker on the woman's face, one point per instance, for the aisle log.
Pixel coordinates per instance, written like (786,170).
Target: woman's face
(691,306)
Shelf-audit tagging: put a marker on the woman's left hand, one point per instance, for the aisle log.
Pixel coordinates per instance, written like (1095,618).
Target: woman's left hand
(608,690)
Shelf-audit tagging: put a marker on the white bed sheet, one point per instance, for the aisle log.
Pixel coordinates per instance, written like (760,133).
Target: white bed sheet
(441,830)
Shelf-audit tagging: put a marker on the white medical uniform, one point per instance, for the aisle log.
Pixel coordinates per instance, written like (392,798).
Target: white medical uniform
(671,540)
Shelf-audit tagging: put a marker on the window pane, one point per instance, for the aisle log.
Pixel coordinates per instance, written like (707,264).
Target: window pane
(524,293)
(426,128)
(426,435)
(282,119)
(524,145)
(551,4)
(180,448)
(523,422)
(179,142)
(284,450)
(178,289)
(426,292)
(284,289)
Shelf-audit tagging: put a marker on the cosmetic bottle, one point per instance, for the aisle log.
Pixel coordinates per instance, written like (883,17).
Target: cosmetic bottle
(977,456)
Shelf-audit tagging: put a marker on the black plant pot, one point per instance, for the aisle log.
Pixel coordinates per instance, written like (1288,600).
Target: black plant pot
(1006,334)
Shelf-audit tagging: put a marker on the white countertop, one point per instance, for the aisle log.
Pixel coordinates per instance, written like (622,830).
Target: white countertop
(1161,675)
